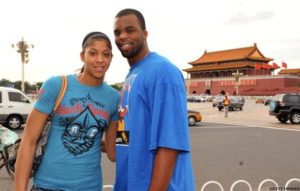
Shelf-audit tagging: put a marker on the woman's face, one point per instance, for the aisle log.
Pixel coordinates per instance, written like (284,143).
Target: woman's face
(97,57)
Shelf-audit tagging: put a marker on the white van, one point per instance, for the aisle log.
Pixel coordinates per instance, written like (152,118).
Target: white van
(15,107)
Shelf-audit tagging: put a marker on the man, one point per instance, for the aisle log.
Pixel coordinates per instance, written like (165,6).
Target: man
(153,144)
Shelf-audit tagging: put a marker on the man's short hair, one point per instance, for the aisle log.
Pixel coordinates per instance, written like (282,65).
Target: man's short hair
(135,12)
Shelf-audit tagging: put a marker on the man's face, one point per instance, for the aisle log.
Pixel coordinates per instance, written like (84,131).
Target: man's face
(129,36)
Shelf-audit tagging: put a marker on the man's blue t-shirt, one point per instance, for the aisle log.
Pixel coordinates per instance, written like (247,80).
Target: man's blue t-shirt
(72,157)
(152,114)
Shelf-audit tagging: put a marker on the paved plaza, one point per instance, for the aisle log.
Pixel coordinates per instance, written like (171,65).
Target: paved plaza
(255,114)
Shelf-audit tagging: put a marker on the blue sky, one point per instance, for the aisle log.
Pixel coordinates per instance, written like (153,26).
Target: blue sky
(179,30)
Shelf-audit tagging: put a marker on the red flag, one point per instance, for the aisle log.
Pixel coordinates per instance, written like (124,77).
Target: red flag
(258,66)
(266,66)
(275,66)
(284,65)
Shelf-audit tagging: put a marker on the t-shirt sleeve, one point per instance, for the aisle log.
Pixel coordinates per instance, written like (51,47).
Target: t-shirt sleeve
(114,115)
(48,95)
(169,126)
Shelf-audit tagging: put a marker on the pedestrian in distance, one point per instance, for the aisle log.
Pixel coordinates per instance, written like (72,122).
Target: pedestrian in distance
(226,103)
(153,144)
(88,110)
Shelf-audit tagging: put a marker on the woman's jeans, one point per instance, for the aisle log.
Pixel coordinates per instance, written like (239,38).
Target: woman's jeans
(35,188)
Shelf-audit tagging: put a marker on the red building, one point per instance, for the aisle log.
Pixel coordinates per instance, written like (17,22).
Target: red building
(243,71)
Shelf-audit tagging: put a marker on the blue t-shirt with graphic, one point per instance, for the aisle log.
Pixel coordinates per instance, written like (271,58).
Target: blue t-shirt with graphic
(152,114)
(72,156)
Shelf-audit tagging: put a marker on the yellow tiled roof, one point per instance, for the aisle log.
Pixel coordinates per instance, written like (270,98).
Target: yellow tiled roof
(224,66)
(290,71)
(251,53)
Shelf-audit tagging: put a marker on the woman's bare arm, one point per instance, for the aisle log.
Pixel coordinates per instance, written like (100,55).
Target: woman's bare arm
(110,140)
(33,128)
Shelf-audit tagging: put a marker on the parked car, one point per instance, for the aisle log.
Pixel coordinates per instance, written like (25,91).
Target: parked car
(267,101)
(260,100)
(195,98)
(286,107)
(263,100)
(209,98)
(236,103)
(194,117)
(190,98)
(217,99)
(199,98)
(14,107)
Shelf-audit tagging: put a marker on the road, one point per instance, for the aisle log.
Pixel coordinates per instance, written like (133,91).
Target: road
(249,146)
(227,153)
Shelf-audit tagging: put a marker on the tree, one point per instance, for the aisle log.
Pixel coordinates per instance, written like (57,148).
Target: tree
(5,82)
(117,87)
(17,85)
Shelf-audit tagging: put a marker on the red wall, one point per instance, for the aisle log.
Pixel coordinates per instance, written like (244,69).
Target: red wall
(269,85)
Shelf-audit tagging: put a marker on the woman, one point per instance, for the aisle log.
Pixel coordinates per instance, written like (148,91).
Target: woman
(89,108)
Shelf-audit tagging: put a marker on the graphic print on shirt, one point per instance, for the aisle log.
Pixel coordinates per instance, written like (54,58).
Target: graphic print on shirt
(123,130)
(82,128)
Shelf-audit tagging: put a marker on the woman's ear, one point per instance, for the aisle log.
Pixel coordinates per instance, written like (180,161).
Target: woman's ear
(82,56)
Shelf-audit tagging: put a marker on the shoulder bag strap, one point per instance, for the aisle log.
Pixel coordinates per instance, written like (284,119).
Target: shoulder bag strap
(61,93)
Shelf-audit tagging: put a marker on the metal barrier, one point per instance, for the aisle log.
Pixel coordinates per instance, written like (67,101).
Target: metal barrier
(267,180)
(212,182)
(277,187)
(291,180)
(240,181)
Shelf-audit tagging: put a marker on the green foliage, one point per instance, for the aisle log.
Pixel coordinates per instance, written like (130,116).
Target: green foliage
(17,84)
(5,82)
(117,87)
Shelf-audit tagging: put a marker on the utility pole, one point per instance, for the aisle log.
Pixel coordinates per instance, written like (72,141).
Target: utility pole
(237,76)
(23,48)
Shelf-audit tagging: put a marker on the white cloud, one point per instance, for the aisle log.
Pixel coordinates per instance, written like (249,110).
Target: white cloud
(241,18)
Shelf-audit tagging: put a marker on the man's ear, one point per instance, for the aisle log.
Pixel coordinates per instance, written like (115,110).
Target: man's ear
(145,34)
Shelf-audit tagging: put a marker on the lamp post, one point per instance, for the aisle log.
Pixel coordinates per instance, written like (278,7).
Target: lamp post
(23,48)
(237,76)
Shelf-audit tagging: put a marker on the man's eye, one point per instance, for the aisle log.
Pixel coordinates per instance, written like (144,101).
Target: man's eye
(116,33)
(130,30)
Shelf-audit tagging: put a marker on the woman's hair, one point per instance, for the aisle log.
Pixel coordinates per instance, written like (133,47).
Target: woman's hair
(95,36)
(91,37)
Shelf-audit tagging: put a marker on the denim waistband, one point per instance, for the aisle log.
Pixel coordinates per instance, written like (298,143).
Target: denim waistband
(35,188)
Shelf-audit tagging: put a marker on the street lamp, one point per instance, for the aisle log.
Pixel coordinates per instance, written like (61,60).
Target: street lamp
(237,76)
(23,48)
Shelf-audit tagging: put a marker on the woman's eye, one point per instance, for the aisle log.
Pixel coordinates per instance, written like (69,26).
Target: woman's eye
(107,55)
(92,53)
